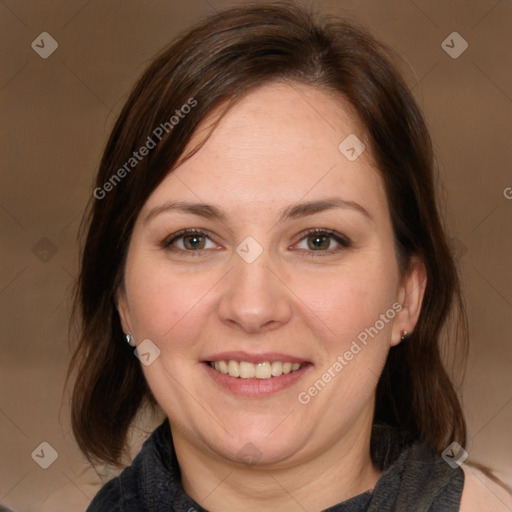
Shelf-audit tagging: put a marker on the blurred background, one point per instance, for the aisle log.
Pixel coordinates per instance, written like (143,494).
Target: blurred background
(67,67)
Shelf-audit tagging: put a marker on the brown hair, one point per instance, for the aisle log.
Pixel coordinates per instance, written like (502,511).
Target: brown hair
(217,63)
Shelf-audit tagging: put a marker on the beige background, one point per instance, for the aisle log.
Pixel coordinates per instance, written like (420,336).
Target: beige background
(56,114)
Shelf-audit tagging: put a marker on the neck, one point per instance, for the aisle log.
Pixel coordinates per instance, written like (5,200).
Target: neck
(340,472)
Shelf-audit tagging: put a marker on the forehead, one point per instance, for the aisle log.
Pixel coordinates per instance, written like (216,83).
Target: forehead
(279,144)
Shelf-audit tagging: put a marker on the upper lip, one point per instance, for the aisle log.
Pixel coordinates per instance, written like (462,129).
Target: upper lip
(255,358)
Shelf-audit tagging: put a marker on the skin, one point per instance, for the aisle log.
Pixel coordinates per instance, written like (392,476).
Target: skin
(277,147)
(481,494)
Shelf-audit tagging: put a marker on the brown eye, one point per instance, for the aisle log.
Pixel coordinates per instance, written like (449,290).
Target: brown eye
(188,241)
(318,241)
(193,241)
(321,241)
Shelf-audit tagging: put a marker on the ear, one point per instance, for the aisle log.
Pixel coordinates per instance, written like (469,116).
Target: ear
(123,310)
(410,296)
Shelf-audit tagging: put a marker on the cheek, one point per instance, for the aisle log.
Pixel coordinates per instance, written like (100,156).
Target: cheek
(351,340)
(172,305)
(351,300)
(165,305)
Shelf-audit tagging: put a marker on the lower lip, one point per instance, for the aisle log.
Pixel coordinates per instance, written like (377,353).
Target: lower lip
(256,387)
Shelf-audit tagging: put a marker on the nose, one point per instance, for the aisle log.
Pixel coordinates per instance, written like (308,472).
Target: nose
(256,298)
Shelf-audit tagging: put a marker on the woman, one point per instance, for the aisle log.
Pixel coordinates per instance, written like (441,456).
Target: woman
(264,233)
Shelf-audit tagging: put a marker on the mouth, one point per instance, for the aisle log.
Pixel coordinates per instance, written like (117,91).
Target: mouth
(255,375)
(263,370)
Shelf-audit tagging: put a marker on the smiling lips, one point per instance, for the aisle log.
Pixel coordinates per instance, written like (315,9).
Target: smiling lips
(248,370)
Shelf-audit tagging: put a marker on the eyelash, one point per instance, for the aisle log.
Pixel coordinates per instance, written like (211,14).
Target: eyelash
(344,242)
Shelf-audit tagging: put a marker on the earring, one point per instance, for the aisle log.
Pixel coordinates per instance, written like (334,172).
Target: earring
(405,336)
(130,340)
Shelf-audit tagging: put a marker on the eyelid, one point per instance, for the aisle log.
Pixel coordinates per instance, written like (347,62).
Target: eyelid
(341,239)
(182,233)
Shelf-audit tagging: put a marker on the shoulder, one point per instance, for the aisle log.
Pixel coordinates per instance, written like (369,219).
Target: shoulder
(108,498)
(482,494)
(122,493)
(126,492)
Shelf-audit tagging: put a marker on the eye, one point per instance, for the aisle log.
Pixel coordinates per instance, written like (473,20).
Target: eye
(191,241)
(320,241)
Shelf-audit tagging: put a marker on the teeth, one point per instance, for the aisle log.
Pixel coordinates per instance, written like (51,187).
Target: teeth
(223,367)
(277,368)
(263,370)
(233,368)
(246,370)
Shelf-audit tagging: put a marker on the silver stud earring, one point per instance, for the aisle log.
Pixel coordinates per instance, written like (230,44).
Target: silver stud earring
(130,340)
(405,336)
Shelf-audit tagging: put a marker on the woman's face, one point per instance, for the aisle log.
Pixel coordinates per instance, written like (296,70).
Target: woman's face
(254,294)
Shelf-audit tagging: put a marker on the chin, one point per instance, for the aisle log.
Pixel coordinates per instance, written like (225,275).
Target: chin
(259,446)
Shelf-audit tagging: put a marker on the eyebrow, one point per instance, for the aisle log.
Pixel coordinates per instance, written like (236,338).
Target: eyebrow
(294,211)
